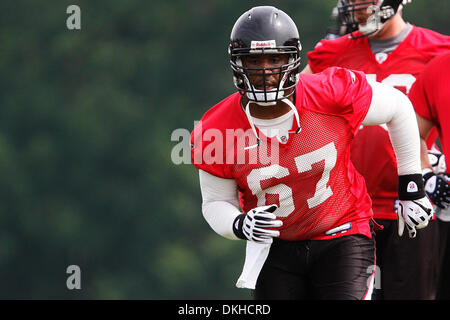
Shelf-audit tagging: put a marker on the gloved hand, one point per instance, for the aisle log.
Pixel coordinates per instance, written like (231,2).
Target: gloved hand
(254,224)
(437,188)
(414,208)
(437,161)
(415,214)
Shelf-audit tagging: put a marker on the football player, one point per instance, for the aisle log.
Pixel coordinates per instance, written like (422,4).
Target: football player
(279,150)
(430,96)
(393,52)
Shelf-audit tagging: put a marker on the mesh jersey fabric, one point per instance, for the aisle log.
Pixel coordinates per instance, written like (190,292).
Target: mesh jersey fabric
(372,152)
(310,177)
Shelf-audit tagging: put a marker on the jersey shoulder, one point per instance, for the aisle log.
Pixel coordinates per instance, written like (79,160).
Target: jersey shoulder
(332,90)
(431,86)
(335,45)
(216,120)
(225,114)
(434,67)
(428,42)
(209,148)
(337,91)
(428,35)
(336,52)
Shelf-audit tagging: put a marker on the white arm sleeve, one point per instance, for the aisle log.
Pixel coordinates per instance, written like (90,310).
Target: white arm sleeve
(220,204)
(392,107)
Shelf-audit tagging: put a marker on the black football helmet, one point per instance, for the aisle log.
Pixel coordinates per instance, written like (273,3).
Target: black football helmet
(380,11)
(338,29)
(265,30)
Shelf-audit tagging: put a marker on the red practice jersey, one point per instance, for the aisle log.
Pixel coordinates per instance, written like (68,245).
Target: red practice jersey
(430,96)
(310,177)
(372,152)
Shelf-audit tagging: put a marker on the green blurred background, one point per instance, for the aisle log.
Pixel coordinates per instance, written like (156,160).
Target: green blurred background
(86,120)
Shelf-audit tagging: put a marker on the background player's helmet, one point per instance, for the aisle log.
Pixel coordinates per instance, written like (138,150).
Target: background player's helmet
(380,11)
(265,30)
(339,28)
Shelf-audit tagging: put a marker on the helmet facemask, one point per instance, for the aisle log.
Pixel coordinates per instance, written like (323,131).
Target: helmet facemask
(377,12)
(288,74)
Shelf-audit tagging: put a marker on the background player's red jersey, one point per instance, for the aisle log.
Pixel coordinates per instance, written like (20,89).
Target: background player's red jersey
(431,98)
(372,152)
(310,177)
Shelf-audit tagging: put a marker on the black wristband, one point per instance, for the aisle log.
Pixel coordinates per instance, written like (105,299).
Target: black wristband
(410,187)
(238,226)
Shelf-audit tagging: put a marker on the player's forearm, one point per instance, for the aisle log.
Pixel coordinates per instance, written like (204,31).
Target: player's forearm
(220,216)
(220,205)
(392,107)
(425,162)
(404,135)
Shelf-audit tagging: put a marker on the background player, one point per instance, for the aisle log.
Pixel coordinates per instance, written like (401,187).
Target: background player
(307,207)
(393,52)
(430,96)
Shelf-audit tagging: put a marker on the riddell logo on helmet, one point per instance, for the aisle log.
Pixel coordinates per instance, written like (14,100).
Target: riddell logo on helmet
(263,44)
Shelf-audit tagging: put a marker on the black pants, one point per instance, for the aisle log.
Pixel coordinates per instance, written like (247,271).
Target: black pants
(444,257)
(334,269)
(409,268)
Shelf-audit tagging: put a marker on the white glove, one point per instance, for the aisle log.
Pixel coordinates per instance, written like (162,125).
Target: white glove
(437,161)
(415,213)
(253,225)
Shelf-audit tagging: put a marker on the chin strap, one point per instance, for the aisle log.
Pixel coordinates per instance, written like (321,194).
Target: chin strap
(252,125)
